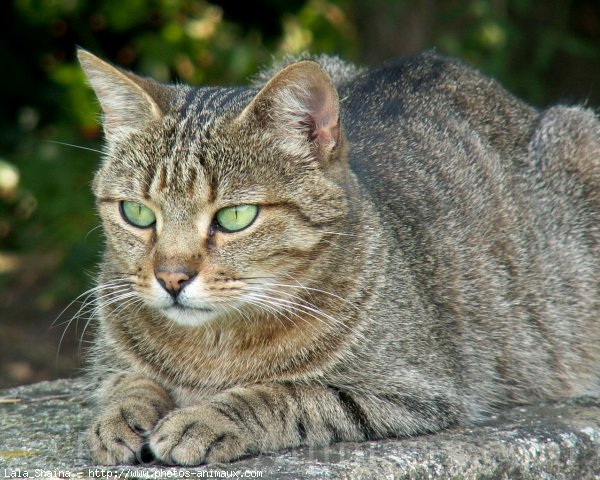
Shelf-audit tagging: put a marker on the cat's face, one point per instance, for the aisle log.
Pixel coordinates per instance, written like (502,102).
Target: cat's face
(205,221)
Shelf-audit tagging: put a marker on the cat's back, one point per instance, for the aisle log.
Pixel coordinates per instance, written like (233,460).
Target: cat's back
(492,207)
(430,138)
(427,112)
(441,151)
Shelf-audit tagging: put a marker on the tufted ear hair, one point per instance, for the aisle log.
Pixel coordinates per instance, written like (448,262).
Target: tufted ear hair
(299,109)
(128,101)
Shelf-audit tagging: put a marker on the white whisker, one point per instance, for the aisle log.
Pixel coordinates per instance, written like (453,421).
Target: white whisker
(340,233)
(91,230)
(87,294)
(112,290)
(74,146)
(311,289)
(271,308)
(290,306)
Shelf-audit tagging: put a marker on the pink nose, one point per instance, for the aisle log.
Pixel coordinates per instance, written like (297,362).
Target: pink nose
(173,281)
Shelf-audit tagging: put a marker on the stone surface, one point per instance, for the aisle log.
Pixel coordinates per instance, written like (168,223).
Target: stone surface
(41,433)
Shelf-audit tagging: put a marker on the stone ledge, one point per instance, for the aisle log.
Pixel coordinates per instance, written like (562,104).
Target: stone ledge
(41,433)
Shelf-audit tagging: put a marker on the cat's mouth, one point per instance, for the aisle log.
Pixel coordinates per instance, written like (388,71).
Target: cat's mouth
(179,307)
(189,315)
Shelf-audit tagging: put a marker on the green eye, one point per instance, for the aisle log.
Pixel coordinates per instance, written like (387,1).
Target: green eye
(236,218)
(137,214)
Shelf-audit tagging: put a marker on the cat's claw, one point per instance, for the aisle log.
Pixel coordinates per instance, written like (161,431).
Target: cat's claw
(118,436)
(197,435)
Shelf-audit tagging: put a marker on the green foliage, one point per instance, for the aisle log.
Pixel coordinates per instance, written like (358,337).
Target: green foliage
(522,43)
(45,203)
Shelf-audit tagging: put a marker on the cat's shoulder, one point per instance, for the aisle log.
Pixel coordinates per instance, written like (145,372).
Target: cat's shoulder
(429,76)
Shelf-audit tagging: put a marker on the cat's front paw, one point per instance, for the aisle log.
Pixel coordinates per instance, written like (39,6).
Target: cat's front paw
(119,434)
(196,435)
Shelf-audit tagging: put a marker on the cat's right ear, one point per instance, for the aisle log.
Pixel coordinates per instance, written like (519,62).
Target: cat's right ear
(124,97)
(299,110)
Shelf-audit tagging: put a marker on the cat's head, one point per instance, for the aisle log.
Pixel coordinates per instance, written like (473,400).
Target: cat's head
(215,201)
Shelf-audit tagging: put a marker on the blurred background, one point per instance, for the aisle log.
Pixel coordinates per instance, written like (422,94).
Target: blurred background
(544,52)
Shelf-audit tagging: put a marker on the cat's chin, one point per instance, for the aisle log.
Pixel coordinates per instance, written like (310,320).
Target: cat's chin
(189,317)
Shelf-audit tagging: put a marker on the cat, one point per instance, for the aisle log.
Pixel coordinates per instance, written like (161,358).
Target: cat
(336,253)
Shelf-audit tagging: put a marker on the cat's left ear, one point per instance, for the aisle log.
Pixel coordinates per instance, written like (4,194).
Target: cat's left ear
(299,109)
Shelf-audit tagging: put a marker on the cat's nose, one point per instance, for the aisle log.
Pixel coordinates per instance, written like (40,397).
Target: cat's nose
(173,281)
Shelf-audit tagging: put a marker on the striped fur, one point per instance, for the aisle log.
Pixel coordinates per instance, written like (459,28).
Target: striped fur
(426,249)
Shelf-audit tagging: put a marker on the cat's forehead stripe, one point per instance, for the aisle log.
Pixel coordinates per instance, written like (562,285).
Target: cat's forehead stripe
(201,109)
(207,104)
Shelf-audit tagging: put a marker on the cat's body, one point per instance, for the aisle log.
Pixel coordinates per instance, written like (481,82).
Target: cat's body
(437,258)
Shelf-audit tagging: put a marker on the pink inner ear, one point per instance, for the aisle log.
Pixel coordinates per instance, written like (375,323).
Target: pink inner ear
(326,136)
(323,113)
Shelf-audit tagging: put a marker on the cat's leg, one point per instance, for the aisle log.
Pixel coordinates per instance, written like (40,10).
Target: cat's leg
(131,405)
(269,417)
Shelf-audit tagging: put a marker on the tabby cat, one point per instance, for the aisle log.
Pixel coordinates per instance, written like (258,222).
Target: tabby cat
(336,254)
